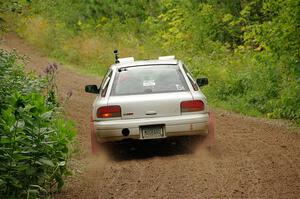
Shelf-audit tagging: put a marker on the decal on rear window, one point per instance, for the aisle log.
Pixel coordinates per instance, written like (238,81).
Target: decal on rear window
(148,83)
(179,87)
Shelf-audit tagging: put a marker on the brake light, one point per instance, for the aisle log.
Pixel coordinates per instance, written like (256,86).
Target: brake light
(192,106)
(109,111)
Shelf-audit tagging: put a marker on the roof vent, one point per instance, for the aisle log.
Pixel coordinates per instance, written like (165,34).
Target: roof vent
(166,57)
(126,59)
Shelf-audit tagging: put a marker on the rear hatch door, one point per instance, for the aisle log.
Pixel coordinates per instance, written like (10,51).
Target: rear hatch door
(150,105)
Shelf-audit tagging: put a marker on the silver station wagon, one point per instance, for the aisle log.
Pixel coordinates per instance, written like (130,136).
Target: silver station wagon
(151,99)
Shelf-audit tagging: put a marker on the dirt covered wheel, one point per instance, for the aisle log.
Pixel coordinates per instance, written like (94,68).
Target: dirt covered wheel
(211,129)
(95,146)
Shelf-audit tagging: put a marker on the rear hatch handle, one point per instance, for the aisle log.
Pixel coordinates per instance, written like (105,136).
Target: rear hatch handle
(151,113)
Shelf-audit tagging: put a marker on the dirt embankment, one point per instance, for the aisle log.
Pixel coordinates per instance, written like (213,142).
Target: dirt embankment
(252,158)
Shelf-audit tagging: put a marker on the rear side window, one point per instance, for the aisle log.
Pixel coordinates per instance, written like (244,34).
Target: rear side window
(193,83)
(149,79)
(105,83)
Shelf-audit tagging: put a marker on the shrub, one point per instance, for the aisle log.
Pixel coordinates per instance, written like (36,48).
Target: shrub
(34,137)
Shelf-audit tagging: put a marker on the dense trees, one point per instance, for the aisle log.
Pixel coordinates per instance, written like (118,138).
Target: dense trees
(249,49)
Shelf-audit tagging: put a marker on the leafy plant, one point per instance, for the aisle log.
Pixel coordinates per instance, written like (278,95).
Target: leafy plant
(34,138)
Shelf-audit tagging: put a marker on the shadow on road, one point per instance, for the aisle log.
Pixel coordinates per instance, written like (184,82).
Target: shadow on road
(143,149)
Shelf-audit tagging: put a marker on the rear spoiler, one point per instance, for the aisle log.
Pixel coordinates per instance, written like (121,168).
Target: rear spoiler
(170,57)
(126,59)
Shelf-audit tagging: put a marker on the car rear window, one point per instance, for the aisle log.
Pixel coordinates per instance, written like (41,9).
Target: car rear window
(148,79)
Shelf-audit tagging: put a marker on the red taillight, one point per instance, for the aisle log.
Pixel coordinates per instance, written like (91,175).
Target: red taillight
(192,106)
(109,111)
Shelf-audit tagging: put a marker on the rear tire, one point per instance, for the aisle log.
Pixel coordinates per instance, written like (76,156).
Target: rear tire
(95,145)
(211,130)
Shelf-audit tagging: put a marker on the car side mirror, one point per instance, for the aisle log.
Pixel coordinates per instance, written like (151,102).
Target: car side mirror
(202,81)
(91,89)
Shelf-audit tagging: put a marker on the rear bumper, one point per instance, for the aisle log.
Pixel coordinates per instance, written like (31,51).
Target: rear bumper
(183,125)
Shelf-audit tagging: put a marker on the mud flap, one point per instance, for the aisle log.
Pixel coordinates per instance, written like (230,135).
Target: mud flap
(211,129)
(95,146)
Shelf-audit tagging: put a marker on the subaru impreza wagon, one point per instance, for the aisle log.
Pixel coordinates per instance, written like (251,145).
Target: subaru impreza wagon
(150,99)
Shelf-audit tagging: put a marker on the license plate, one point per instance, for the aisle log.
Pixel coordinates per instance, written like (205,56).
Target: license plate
(149,132)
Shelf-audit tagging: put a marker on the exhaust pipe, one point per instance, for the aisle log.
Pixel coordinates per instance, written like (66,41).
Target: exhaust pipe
(125,132)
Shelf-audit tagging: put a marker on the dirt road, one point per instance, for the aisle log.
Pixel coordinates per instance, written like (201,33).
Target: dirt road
(252,158)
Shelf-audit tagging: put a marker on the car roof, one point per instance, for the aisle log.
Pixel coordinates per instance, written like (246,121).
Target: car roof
(144,63)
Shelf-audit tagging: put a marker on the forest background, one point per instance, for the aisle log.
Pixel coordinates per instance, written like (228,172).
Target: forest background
(249,49)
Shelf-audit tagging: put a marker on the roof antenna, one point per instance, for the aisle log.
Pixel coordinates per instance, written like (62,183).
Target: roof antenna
(116,52)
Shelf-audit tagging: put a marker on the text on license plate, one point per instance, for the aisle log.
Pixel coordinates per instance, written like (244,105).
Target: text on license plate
(152,131)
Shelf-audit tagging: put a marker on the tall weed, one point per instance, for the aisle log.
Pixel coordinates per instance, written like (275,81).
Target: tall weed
(34,137)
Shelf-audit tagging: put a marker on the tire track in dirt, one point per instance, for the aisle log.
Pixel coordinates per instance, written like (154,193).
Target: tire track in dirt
(252,158)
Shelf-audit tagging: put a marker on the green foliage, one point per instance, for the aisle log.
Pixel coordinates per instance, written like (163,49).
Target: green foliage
(34,138)
(248,49)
